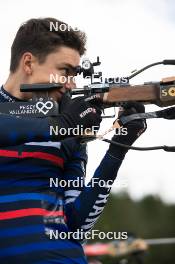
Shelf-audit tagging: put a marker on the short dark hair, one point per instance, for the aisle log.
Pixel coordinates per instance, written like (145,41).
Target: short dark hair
(36,37)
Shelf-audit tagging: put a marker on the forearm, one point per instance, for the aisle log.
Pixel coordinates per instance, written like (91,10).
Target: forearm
(17,130)
(85,209)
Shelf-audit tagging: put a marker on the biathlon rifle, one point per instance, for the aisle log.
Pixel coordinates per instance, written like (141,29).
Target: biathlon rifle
(117,248)
(118,91)
(113,92)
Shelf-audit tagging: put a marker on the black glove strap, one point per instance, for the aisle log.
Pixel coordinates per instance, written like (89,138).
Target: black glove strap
(168,113)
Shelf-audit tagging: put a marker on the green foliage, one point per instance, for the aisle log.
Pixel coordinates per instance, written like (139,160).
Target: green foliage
(148,218)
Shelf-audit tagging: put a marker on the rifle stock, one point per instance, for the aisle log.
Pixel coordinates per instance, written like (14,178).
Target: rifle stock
(161,93)
(143,93)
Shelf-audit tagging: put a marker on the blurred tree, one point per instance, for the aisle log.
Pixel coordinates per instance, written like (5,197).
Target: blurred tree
(147,218)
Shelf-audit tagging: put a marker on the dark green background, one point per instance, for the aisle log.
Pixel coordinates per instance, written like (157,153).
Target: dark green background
(148,218)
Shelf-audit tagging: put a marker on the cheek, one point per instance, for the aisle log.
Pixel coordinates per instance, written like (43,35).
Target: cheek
(41,75)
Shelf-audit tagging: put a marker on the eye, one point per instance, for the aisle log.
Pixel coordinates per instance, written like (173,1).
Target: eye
(65,71)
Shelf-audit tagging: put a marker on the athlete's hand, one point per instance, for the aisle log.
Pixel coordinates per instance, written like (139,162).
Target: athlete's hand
(78,112)
(133,129)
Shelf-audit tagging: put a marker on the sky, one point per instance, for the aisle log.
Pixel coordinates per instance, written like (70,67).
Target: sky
(127,35)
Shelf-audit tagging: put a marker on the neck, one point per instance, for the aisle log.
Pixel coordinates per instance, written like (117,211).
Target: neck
(12,86)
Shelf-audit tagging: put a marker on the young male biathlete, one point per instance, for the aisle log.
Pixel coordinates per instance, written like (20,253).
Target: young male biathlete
(31,209)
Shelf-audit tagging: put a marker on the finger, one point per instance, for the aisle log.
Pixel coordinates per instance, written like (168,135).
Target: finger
(136,107)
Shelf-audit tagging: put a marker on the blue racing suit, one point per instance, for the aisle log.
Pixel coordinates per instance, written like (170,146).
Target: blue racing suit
(38,200)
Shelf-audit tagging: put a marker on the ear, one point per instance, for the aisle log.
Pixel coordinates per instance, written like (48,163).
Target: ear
(27,62)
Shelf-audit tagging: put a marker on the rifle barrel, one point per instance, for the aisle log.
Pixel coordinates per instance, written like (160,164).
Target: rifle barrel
(160,241)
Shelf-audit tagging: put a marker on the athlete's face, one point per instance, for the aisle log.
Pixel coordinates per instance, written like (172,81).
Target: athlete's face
(57,67)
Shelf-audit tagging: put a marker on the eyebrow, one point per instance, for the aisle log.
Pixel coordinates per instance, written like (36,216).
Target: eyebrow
(73,68)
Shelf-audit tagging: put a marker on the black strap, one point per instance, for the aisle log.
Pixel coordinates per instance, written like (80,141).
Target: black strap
(165,148)
(168,113)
